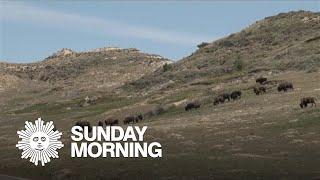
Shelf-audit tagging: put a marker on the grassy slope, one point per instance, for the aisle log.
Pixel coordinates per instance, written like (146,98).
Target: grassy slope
(283,42)
(256,136)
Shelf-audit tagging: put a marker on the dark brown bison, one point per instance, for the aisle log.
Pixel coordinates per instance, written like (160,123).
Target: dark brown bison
(259,90)
(235,95)
(129,119)
(192,105)
(261,80)
(84,124)
(100,123)
(307,100)
(111,121)
(218,100)
(138,117)
(285,86)
(226,96)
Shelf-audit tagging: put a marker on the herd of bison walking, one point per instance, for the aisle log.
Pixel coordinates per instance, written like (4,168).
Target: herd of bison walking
(259,89)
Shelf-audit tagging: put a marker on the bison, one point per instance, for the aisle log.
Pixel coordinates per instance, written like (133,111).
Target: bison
(235,95)
(261,80)
(285,86)
(218,100)
(138,117)
(225,96)
(307,100)
(129,119)
(259,90)
(111,121)
(192,105)
(84,124)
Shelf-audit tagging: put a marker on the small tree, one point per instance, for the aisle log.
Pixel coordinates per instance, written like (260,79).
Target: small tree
(238,64)
(166,67)
(203,44)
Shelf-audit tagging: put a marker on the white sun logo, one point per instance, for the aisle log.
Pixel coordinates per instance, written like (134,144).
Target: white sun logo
(39,142)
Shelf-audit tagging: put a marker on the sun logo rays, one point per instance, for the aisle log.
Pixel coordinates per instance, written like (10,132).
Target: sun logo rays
(39,142)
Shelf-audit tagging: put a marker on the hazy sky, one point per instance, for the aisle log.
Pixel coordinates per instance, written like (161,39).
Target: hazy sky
(33,30)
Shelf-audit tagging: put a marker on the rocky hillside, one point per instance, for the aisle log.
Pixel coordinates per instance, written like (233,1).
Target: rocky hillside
(287,41)
(277,44)
(100,68)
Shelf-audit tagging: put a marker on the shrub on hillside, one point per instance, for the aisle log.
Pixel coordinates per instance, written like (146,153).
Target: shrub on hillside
(203,44)
(166,67)
(238,64)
